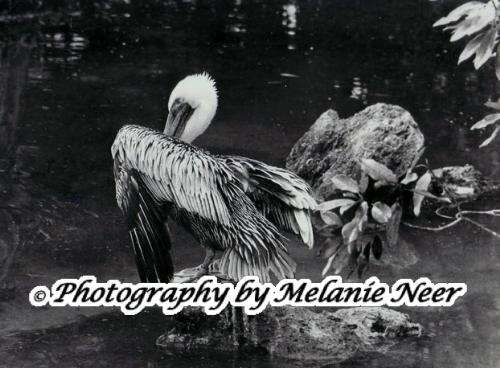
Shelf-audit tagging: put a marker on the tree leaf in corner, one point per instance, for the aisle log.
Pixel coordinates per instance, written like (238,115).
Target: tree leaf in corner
(471,48)
(485,49)
(491,104)
(456,14)
(491,137)
(487,120)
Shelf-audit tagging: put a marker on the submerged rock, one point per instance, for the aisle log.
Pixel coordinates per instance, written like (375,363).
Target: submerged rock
(332,146)
(463,182)
(294,333)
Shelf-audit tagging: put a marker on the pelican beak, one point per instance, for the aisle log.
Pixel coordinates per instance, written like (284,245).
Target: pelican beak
(178,116)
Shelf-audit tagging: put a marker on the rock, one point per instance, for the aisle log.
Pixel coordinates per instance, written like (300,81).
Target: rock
(463,182)
(332,146)
(294,333)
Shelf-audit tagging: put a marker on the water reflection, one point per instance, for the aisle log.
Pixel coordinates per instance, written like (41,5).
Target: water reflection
(359,91)
(290,23)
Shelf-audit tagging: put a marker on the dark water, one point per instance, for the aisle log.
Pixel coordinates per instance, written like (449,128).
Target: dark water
(74,78)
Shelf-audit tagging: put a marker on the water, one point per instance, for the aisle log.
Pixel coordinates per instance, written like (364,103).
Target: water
(75,78)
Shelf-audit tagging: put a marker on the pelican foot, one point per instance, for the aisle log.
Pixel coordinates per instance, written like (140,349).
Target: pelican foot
(194,273)
(213,268)
(190,274)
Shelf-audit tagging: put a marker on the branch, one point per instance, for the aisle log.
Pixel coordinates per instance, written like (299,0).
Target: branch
(459,216)
(439,228)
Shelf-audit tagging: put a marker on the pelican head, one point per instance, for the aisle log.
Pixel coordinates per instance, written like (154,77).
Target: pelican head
(191,107)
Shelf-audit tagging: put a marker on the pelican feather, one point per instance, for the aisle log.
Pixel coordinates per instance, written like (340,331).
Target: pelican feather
(229,203)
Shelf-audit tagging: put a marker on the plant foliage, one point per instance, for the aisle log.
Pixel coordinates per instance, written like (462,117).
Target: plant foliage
(479,22)
(365,215)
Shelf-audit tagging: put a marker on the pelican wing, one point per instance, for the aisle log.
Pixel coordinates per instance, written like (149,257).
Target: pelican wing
(283,197)
(175,172)
(145,221)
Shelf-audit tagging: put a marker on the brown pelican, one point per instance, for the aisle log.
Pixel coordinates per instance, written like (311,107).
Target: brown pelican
(229,203)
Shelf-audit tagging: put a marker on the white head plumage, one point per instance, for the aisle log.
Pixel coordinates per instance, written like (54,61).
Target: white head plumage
(200,92)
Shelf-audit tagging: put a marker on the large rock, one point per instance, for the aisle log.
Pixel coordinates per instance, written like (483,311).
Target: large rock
(294,333)
(333,146)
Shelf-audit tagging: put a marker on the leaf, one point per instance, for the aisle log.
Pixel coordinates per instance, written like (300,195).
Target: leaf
(491,137)
(341,260)
(338,261)
(328,265)
(410,177)
(330,247)
(474,23)
(364,181)
(362,214)
(471,48)
(345,184)
(352,230)
(362,265)
(417,158)
(377,247)
(458,13)
(378,171)
(485,49)
(392,226)
(364,259)
(487,120)
(381,212)
(422,185)
(335,203)
(344,208)
(430,195)
(330,218)
(354,253)
(491,104)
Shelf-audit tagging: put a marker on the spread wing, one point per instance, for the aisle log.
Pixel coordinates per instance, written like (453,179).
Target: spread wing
(152,170)
(145,221)
(283,197)
(175,172)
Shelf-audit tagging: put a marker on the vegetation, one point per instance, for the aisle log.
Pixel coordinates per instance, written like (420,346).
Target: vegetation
(367,214)
(478,22)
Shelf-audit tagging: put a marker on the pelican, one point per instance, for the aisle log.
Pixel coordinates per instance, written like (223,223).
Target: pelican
(231,204)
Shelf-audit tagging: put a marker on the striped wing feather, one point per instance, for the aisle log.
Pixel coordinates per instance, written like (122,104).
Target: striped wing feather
(176,172)
(145,221)
(283,197)
(155,169)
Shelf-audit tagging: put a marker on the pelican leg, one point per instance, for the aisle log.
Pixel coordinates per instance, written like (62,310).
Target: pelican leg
(192,274)
(209,257)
